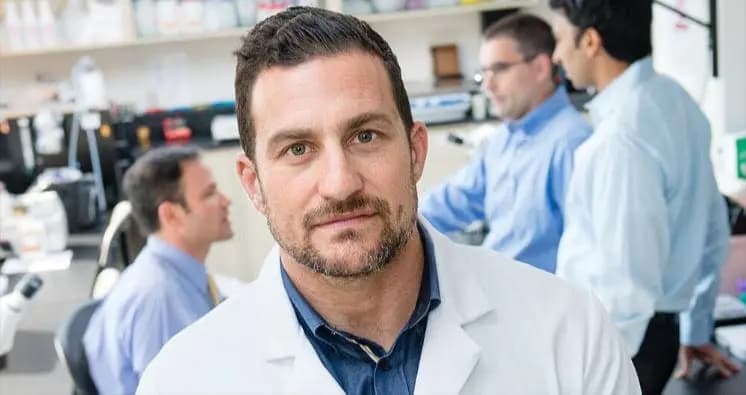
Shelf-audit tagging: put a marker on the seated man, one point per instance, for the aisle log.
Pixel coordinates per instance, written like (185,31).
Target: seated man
(176,202)
(360,296)
(517,183)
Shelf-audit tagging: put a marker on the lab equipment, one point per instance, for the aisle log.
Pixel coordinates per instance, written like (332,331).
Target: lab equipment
(12,308)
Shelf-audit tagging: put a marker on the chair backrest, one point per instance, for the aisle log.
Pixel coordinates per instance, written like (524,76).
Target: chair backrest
(120,216)
(68,342)
(104,282)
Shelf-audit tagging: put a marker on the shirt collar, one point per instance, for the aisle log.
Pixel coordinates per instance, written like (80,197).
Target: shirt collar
(429,286)
(532,122)
(608,99)
(186,265)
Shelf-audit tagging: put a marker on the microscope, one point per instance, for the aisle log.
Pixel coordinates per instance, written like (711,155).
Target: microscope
(12,308)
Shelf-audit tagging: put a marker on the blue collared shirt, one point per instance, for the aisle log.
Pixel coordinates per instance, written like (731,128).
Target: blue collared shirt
(516,184)
(353,368)
(646,227)
(162,292)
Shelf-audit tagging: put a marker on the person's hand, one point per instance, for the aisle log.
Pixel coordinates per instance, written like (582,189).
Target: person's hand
(708,354)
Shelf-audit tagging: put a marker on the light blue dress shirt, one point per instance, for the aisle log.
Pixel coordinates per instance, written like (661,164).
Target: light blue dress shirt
(516,184)
(646,227)
(162,292)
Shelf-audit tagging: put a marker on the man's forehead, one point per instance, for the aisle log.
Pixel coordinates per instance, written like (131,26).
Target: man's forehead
(324,88)
(497,48)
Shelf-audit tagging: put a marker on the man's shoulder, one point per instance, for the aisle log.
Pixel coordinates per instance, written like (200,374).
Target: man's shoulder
(145,283)
(224,339)
(571,123)
(515,288)
(504,279)
(230,318)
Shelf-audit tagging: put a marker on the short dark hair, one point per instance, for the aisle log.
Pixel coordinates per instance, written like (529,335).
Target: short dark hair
(532,34)
(153,179)
(624,25)
(298,35)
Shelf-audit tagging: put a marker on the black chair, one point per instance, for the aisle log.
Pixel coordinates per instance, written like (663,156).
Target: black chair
(68,343)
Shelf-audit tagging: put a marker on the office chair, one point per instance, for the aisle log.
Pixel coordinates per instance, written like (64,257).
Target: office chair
(108,271)
(68,343)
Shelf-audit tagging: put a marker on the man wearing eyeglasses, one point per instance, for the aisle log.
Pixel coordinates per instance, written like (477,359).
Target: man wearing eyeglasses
(516,183)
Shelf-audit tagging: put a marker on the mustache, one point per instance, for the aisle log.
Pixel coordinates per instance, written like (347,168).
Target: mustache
(340,207)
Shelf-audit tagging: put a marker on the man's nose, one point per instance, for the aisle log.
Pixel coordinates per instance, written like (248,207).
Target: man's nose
(339,177)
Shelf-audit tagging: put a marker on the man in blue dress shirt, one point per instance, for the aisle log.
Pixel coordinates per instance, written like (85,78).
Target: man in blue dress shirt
(517,183)
(174,200)
(646,226)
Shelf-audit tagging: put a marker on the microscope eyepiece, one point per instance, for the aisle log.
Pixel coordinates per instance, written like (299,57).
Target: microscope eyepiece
(29,285)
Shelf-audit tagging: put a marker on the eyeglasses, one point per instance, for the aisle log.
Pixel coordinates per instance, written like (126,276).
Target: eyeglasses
(497,69)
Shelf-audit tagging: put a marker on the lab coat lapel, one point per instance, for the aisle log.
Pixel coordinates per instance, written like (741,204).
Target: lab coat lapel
(284,343)
(309,375)
(449,354)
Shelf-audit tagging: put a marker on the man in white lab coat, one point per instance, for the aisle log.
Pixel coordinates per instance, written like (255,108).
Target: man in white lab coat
(645,225)
(359,296)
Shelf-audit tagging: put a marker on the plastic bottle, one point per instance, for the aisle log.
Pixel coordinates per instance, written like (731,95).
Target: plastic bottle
(47,25)
(30,25)
(13,28)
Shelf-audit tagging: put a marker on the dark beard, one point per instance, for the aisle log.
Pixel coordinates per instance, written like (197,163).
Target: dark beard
(392,240)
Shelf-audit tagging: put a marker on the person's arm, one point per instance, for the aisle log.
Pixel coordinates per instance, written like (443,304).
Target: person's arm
(630,230)
(609,368)
(457,203)
(696,323)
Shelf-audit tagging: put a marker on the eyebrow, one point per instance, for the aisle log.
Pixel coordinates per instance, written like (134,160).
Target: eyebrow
(361,119)
(289,134)
(306,133)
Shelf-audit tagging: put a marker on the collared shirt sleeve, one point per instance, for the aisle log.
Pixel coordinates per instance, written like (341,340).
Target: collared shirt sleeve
(458,202)
(562,164)
(626,197)
(696,322)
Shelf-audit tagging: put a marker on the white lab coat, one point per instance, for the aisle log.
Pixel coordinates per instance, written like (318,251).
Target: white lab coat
(502,328)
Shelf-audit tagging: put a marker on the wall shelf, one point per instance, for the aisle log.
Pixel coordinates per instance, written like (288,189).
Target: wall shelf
(136,42)
(452,10)
(237,32)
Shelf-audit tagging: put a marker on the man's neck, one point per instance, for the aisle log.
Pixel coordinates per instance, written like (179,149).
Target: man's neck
(375,307)
(196,250)
(607,70)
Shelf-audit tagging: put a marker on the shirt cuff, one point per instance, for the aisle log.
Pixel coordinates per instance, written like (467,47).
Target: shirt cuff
(694,331)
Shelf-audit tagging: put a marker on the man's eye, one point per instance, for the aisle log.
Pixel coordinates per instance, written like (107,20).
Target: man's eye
(297,149)
(366,136)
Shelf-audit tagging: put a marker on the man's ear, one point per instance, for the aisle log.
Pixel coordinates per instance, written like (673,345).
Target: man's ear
(247,174)
(419,138)
(591,42)
(168,215)
(543,66)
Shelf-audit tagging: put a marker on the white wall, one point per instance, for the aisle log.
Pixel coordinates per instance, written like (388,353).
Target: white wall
(732,35)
